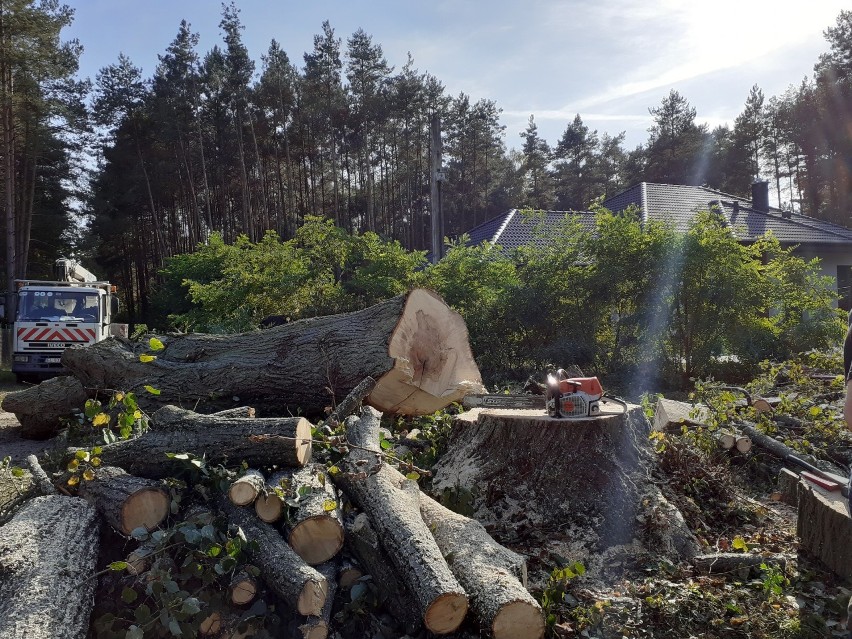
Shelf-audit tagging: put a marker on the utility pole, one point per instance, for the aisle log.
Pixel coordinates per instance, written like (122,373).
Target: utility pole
(437,179)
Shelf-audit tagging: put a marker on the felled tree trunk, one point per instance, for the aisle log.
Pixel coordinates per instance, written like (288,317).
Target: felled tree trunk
(363,542)
(494,577)
(40,408)
(314,527)
(394,511)
(414,346)
(300,586)
(125,501)
(258,442)
(48,554)
(515,465)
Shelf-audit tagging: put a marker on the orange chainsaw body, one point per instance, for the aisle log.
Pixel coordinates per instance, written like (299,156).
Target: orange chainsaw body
(573,397)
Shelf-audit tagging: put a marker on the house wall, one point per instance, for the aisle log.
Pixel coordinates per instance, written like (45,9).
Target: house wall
(830,258)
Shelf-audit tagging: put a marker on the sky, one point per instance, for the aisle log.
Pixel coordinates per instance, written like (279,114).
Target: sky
(608,60)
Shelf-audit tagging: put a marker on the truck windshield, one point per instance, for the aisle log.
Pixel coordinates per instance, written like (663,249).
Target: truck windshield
(58,305)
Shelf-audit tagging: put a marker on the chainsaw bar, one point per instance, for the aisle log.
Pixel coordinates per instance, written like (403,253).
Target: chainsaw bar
(504,401)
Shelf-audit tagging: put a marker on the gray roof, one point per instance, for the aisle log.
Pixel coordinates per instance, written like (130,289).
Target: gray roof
(677,204)
(517,228)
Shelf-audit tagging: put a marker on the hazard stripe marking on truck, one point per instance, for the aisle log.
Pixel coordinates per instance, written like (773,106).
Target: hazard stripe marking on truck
(56,334)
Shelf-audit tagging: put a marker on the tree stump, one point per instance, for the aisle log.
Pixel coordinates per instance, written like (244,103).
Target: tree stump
(519,465)
(48,554)
(825,527)
(414,346)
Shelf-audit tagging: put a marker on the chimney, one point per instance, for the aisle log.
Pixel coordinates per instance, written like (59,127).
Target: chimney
(760,196)
(736,206)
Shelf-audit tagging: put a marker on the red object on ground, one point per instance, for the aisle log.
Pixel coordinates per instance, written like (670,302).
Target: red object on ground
(822,482)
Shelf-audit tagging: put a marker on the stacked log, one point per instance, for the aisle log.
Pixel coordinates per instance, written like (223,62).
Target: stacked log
(314,526)
(247,488)
(125,501)
(493,577)
(300,586)
(394,511)
(258,442)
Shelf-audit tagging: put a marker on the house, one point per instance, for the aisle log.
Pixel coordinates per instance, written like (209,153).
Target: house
(678,205)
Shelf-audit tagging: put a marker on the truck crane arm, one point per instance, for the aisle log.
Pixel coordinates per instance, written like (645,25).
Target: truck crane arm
(68,270)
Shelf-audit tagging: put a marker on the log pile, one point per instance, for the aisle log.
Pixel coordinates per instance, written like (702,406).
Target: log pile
(429,564)
(274,535)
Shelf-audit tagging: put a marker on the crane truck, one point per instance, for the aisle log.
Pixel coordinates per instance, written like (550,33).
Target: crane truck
(73,309)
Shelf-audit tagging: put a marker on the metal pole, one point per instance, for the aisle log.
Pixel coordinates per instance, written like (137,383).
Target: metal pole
(435,191)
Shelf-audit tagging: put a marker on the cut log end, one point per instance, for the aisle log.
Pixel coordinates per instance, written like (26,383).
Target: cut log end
(211,625)
(446,613)
(242,494)
(317,539)
(518,620)
(303,442)
(145,508)
(312,598)
(269,508)
(743,444)
(318,630)
(434,365)
(243,592)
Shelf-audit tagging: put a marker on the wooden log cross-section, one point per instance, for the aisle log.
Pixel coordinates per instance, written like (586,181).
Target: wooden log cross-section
(125,501)
(414,346)
(48,554)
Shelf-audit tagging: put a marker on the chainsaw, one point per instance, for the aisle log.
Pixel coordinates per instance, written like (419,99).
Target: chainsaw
(563,397)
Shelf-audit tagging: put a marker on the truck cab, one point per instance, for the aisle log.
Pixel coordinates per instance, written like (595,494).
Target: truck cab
(55,315)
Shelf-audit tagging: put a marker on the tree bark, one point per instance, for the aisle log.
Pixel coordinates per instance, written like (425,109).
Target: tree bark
(125,501)
(318,627)
(300,586)
(394,511)
(258,442)
(48,554)
(414,346)
(39,408)
(363,542)
(517,465)
(740,564)
(314,529)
